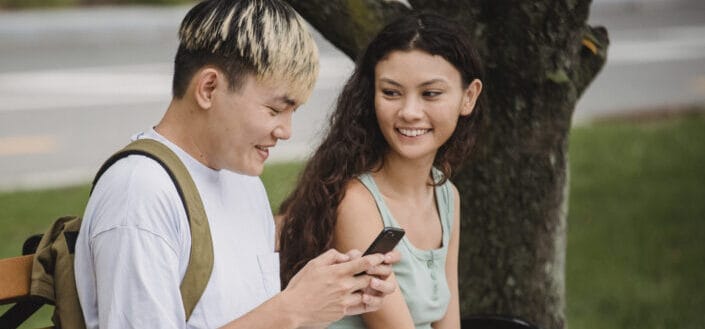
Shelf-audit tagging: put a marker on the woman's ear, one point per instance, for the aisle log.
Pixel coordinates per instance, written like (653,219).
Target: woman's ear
(472,92)
(206,81)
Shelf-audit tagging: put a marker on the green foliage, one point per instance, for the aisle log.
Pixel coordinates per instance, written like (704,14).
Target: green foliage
(636,225)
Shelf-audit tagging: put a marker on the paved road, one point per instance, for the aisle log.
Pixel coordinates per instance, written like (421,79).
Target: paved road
(656,57)
(75,84)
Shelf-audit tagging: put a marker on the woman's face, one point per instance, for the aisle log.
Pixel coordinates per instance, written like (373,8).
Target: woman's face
(418,100)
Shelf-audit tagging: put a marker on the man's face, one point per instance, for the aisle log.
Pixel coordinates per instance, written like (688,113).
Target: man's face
(244,124)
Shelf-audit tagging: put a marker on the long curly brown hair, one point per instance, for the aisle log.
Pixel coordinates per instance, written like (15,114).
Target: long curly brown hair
(354,143)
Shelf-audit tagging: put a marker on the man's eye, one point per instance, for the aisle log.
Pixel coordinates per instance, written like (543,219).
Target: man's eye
(431,93)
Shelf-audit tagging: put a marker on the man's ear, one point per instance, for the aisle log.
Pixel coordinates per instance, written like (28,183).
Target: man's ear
(205,83)
(472,92)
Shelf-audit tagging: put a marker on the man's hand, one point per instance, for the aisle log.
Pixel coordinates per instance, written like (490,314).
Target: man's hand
(380,284)
(326,288)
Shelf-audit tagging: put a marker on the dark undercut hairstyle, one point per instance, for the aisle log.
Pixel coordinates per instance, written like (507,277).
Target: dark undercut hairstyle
(354,143)
(265,38)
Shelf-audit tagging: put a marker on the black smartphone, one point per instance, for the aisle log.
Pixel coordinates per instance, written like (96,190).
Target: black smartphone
(385,241)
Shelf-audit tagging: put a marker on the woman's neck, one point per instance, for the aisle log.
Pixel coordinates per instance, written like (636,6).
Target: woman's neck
(405,179)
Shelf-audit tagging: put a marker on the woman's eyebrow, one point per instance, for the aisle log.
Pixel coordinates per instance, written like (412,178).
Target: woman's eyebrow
(432,81)
(423,84)
(390,81)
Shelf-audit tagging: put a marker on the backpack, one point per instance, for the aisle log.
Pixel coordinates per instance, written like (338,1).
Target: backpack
(52,280)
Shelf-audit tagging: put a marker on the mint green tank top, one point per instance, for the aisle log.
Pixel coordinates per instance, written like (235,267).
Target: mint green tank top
(420,274)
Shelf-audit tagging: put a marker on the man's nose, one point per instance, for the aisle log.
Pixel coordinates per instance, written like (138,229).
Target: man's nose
(283,129)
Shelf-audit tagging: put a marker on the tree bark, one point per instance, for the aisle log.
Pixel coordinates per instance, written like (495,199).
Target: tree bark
(349,24)
(539,58)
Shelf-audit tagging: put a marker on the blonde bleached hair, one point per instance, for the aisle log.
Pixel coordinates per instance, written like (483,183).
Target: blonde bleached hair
(266,38)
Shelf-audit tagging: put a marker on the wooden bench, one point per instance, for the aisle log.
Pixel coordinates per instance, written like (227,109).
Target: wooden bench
(15,276)
(15,273)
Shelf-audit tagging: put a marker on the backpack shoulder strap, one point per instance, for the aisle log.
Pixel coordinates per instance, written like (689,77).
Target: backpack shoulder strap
(200,263)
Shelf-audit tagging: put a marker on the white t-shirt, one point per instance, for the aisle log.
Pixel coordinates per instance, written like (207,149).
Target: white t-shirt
(134,245)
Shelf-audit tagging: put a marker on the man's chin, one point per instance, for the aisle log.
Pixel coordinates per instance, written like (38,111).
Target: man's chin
(248,171)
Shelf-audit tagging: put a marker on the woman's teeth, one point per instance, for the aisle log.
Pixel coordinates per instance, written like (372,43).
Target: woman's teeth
(413,132)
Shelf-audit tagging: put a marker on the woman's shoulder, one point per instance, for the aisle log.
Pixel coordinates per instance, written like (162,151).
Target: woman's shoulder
(358,220)
(355,189)
(356,197)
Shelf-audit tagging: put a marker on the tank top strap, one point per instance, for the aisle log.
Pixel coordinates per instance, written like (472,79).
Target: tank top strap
(369,183)
(445,203)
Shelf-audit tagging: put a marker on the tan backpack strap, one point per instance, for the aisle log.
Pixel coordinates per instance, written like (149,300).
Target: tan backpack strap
(200,263)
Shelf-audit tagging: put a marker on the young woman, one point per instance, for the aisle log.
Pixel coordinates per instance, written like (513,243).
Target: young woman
(404,121)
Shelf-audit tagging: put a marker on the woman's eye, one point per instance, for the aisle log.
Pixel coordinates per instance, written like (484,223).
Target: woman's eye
(390,92)
(273,110)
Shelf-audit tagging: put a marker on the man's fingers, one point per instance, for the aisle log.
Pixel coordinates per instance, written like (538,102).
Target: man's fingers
(341,258)
(331,257)
(354,253)
(354,303)
(361,264)
(363,303)
(371,298)
(392,257)
(359,283)
(381,271)
(384,287)
(372,302)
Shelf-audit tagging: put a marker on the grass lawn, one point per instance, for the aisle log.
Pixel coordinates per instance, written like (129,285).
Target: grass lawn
(636,223)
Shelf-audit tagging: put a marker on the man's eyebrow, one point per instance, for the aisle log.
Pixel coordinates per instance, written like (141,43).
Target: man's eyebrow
(286,100)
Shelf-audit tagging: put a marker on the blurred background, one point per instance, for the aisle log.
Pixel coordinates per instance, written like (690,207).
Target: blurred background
(76,81)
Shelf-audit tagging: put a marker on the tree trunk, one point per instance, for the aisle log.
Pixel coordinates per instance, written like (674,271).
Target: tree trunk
(539,58)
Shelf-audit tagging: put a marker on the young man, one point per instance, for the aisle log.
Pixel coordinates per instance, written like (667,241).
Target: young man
(242,68)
